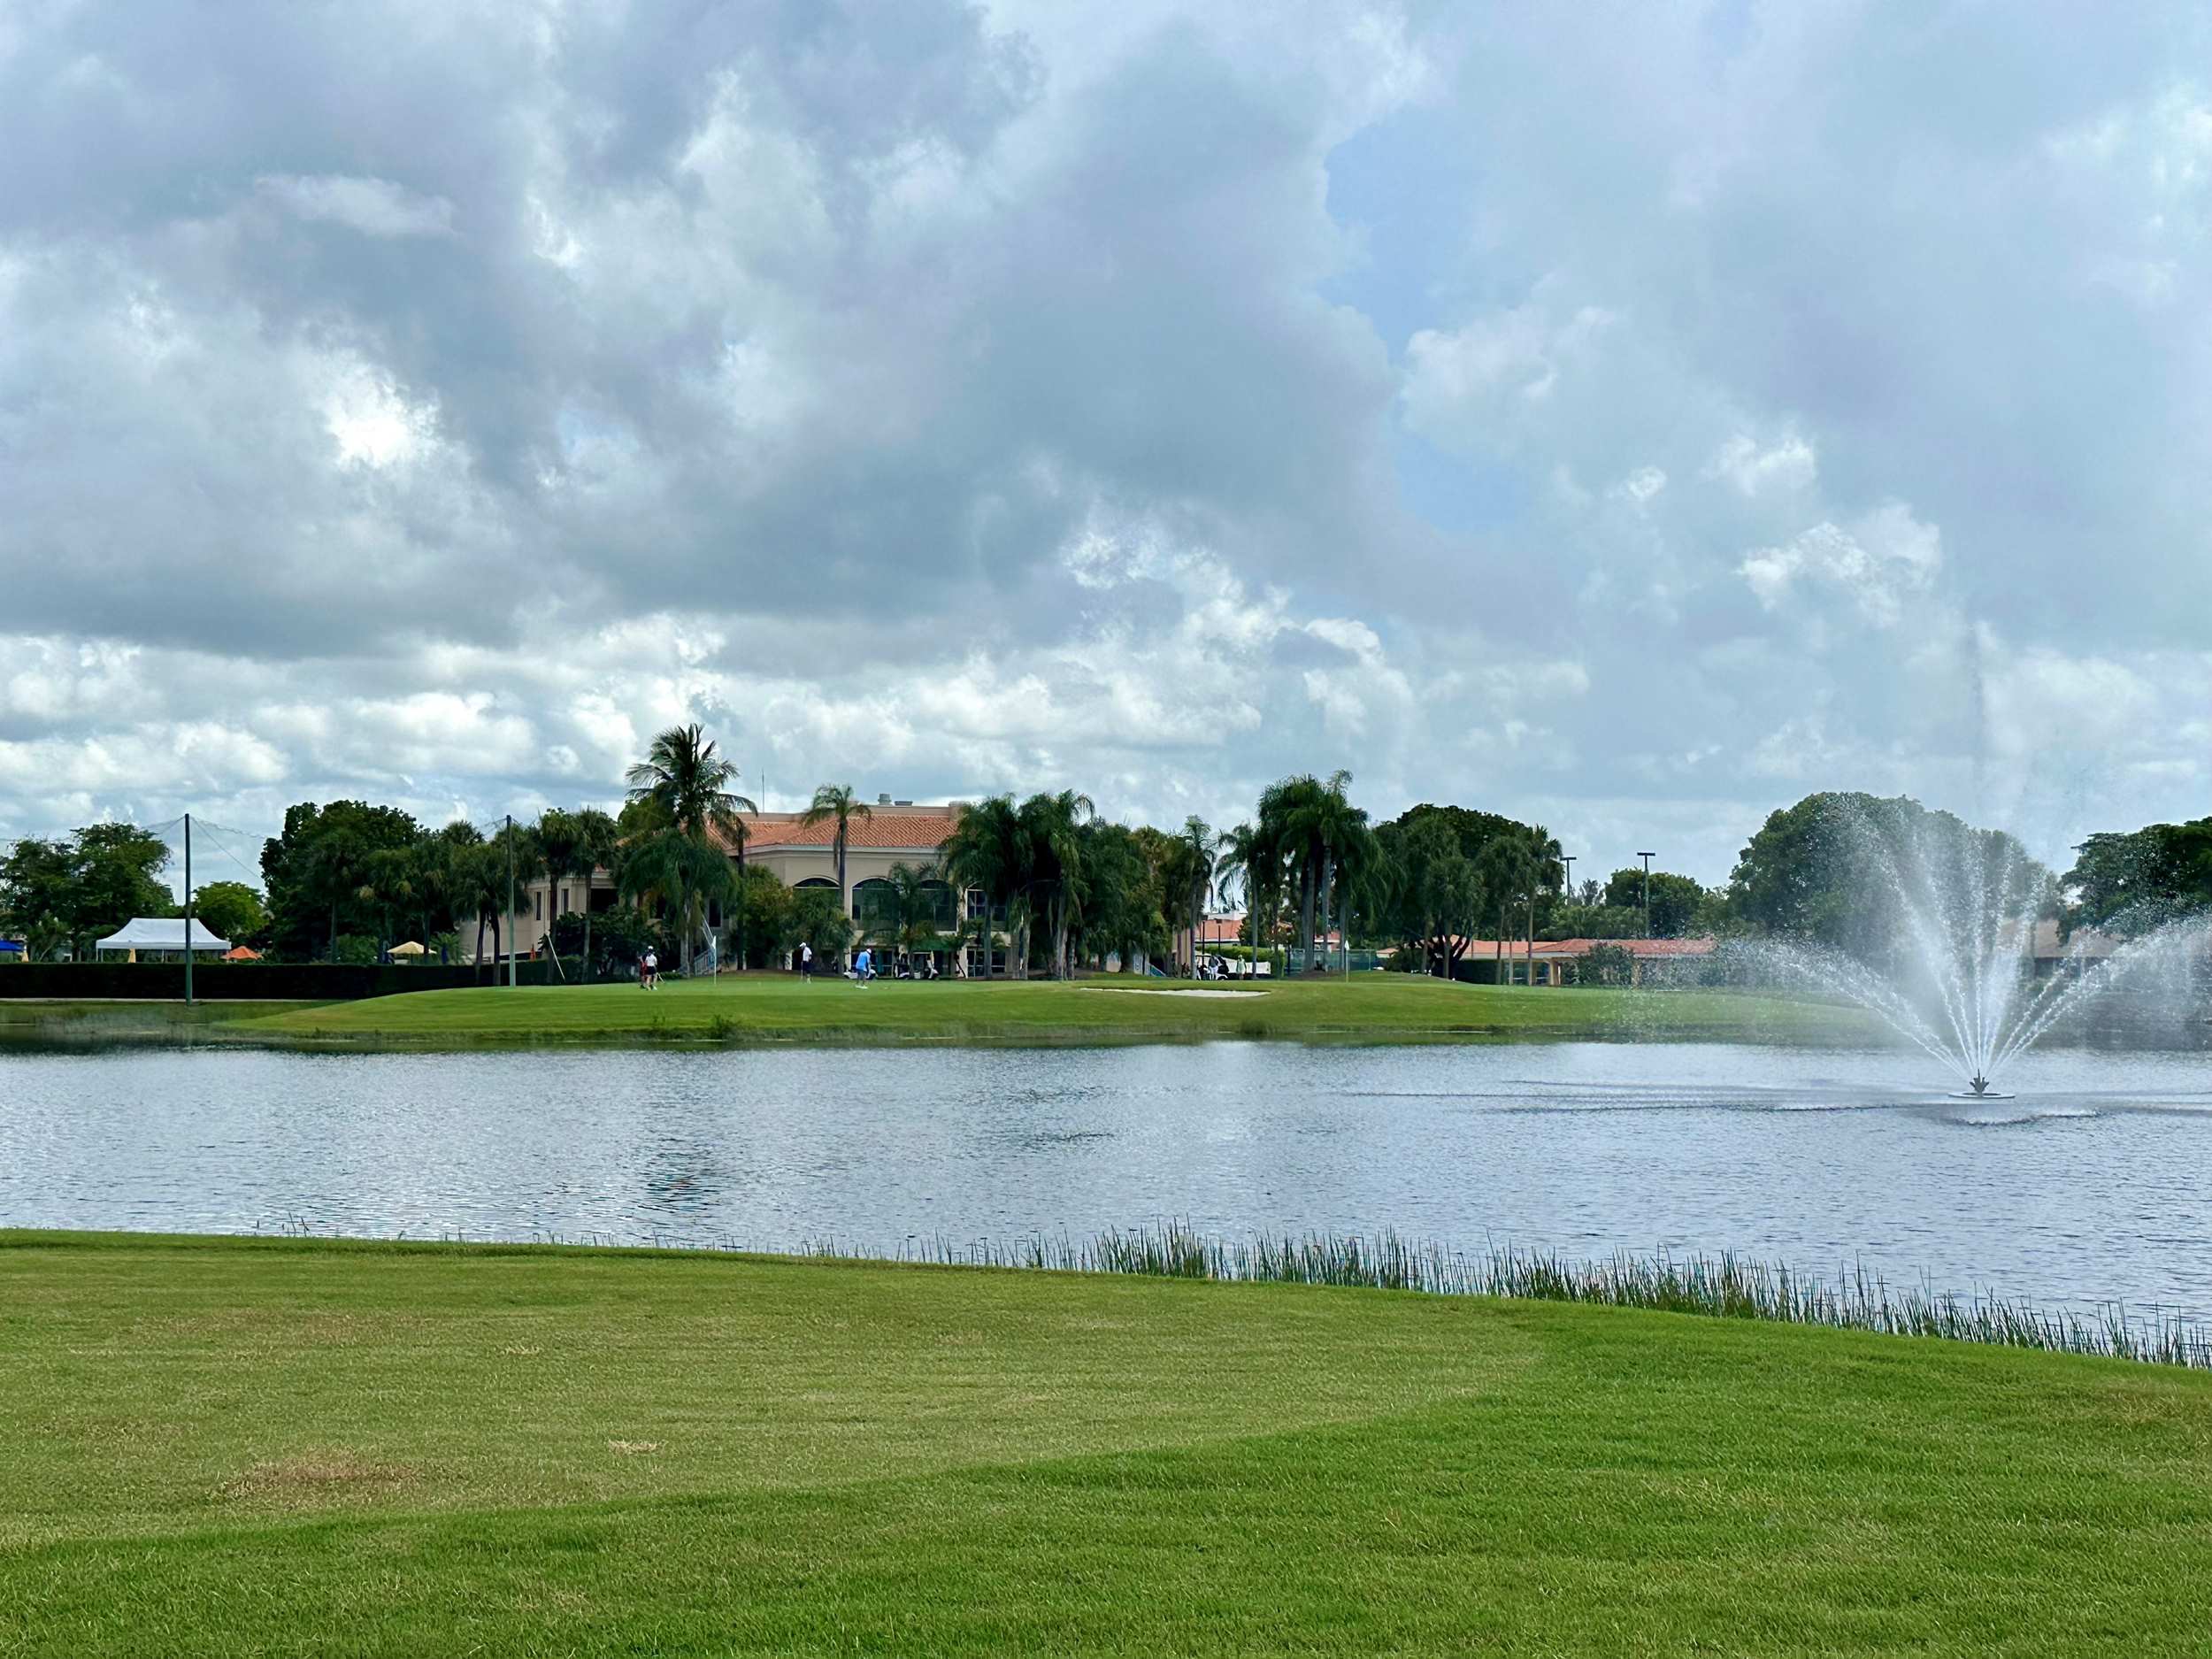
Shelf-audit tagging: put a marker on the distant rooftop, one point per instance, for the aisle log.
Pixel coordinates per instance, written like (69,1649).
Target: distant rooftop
(899,827)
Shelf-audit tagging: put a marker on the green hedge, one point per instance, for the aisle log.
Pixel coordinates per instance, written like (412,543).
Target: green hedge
(244,981)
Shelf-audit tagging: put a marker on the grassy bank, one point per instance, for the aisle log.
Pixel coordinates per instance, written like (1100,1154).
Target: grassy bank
(245,1446)
(47,1019)
(1374,1008)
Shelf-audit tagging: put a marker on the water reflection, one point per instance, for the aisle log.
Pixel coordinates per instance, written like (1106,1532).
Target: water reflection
(2089,1186)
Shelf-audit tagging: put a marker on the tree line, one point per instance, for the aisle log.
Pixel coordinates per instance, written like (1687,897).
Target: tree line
(1058,888)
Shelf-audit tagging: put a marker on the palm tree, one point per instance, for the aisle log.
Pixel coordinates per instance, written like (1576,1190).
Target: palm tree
(1543,874)
(988,851)
(909,921)
(691,788)
(1335,831)
(1242,854)
(479,886)
(575,846)
(682,775)
(1054,828)
(1198,857)
(1506,869)
(835,802)
(387,885)
(686,869)
(1295,815)
(1357,879)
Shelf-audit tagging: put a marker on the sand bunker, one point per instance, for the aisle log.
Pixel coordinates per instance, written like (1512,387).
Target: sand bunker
(1139,990)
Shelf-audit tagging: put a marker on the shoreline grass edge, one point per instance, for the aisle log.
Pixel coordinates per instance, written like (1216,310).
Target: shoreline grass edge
(1722,1286)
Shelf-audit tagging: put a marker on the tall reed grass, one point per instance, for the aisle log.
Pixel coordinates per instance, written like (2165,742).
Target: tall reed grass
(1716,1287)
(1722,1286)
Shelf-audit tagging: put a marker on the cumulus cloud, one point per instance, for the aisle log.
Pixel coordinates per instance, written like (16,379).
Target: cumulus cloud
(1880,563)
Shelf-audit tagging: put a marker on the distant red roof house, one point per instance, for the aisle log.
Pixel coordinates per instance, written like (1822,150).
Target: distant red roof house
(902,828)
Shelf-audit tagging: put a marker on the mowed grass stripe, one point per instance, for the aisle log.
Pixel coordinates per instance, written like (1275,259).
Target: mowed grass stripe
(766,1007)
(1549,1478)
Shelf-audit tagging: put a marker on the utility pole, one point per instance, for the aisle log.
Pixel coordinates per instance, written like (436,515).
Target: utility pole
(514,922)
(1647,858)
(188,910)
(1568,859)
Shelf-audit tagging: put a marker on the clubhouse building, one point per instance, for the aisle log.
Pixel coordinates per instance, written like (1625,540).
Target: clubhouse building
(800,856)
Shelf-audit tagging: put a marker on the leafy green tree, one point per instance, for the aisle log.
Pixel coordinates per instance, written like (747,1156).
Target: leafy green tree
(1675,900)
(2129,882)
(1594,920)
(230,909)
(1838,870)
(1119,909)
(835,803)
(313,873)
(817,918)
(1431,889)
(761,914)
(78,890)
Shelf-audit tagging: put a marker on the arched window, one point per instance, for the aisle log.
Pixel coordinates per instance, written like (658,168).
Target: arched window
(942,904)
(872,901)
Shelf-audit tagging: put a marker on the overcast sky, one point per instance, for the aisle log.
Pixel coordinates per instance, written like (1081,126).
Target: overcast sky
(1630,419)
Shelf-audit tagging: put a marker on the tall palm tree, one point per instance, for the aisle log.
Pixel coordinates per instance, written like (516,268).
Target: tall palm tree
(692,872)
(1054,825)
(1198,858)
(1335,830)
(835,802)
(1542,873)
(988,851)
(694,790)
(387,887)
(1506,870)
(1242,855)
(575,846)
(688,781)
(1292,816)
(909,922)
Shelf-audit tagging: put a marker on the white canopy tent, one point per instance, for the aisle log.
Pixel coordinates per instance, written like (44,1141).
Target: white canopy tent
(162,933)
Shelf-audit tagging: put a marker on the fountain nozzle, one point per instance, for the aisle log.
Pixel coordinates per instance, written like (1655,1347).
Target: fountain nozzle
(1979,1084)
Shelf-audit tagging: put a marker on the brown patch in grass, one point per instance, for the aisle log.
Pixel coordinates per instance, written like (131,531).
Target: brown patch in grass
(304,1479)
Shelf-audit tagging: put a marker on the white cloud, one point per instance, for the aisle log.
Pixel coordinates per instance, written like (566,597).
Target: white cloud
(375,207)
(1880,563)
(1787,464)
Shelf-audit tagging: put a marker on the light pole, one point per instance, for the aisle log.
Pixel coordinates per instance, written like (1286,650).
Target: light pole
(1647,858)
(188,910)
(1568,859)
(514,922)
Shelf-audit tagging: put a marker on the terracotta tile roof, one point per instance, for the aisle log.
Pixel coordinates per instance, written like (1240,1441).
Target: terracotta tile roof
(1581,947)
(895,829)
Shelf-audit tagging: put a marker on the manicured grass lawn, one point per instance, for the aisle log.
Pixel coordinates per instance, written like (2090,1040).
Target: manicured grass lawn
(1381,1008)
(58,1011)
(264,1447)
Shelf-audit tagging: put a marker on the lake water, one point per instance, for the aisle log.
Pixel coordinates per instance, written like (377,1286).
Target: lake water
(2095,1184)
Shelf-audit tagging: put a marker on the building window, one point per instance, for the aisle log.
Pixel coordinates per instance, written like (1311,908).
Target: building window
(564,901)
(537,907)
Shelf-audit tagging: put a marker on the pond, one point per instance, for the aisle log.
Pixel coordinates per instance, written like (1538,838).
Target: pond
(2090,1186)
